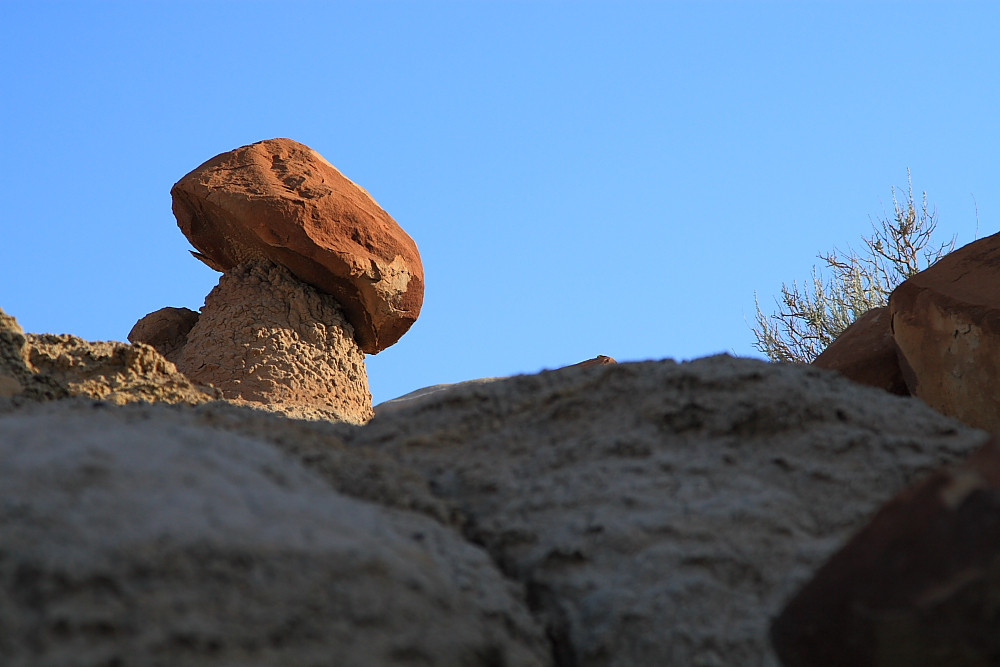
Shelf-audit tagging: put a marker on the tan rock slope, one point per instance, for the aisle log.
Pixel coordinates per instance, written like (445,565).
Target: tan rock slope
(266,338)
(47,367)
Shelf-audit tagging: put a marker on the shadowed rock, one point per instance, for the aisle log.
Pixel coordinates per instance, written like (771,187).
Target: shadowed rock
(946,323)
(866,353)
(661,513)
(135,537)
(918,586)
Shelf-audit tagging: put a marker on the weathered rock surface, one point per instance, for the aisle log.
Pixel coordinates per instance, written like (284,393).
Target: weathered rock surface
(37,367)
(866,353)
(18,380)
(165,330)
(919,586)
(946,323)
(424,393)
(420,395)
(266,338)
(282,201)
(132,537)
(661,513)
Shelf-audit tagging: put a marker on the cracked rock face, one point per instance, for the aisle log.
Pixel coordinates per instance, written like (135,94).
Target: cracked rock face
(134,536)
(267,339)
(280,200)
(660,514)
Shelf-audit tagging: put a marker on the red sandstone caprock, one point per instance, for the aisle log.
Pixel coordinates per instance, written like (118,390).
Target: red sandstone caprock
(282,201)
(946,324)
(866,353)
(919,586)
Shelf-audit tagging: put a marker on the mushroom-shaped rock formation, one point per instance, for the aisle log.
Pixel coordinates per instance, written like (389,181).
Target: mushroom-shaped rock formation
(267,339)
(280,200)
(165,329)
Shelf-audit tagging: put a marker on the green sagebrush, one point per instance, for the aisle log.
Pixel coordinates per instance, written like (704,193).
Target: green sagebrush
(808,320)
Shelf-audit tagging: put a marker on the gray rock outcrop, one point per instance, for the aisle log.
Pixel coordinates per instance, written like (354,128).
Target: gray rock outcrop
(659,513)
(267,339)
(136,536)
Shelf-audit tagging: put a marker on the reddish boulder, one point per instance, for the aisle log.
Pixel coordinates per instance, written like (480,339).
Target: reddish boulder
(919,586)
(599,360)
(165,329)
(865,353)
(946,324)
(282,201)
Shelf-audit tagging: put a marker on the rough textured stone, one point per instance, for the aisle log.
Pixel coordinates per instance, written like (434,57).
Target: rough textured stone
(321,445)
(281,200)
(919,586)
(165,329)
(946,323)
(414,397)
(660,513)
(40,367)
(865,352)
(18,380)
(266,338)
(133,539)
(110,371)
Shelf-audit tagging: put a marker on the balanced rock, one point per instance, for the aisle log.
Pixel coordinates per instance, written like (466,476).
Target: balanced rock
(946,323)
(918,586)
(282,201)
(661,513)
(165,329)
(131,537)
(268,339)
(866,353)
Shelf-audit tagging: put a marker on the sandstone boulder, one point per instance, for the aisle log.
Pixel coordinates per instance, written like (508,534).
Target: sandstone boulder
(282,201)
(133,538)
(919,586)
(165,329)
(268,339)
(866,353)
(946,323)
(660,513)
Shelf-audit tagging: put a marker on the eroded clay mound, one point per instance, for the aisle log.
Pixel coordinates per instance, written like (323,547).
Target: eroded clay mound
(36,367)
(268,339)
(660,513)
(132,538)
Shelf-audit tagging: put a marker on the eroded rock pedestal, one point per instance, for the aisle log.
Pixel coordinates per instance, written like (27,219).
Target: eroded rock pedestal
(268,339)
(282,201)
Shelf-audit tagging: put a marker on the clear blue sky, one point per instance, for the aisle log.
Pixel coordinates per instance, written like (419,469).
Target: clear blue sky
(581,178)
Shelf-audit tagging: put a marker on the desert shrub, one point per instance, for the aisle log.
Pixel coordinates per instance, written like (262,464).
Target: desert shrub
(809,318)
